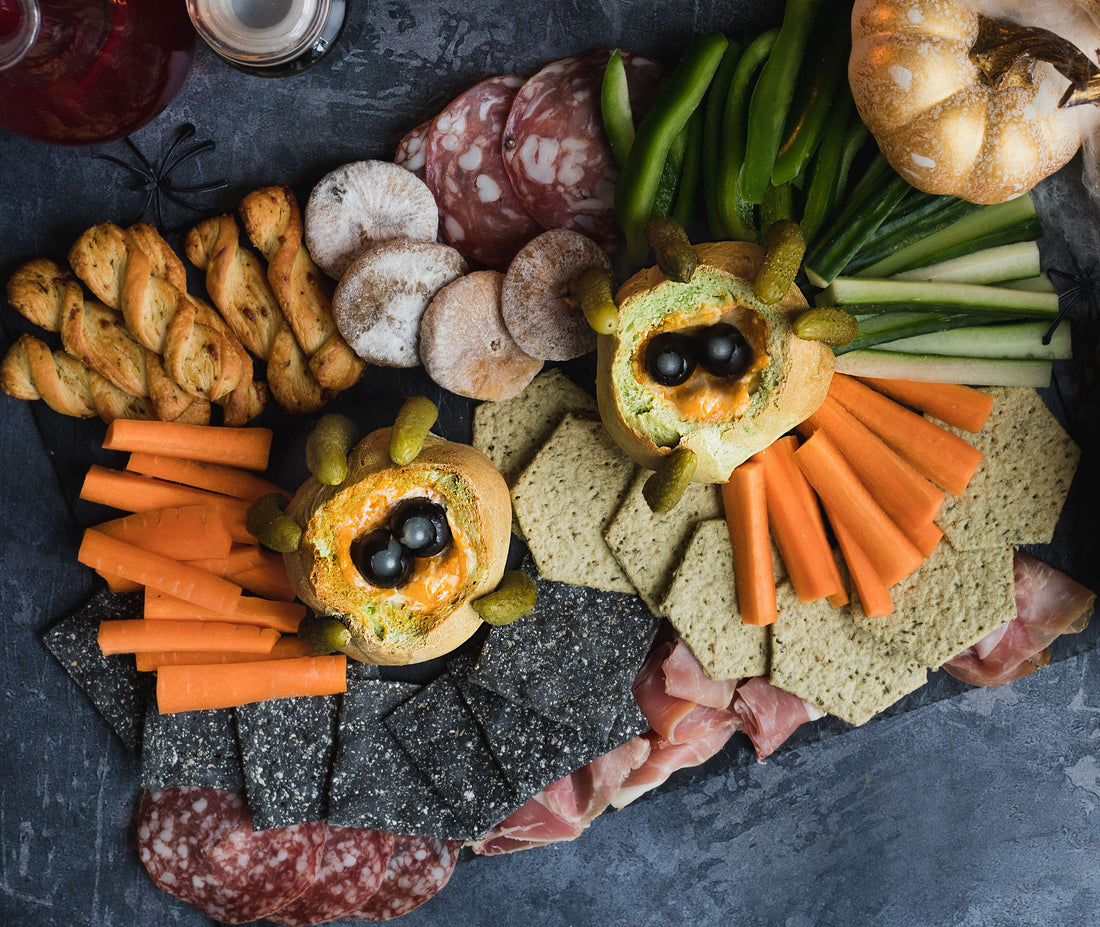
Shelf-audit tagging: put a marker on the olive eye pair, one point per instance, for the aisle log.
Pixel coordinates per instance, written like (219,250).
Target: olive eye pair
(721,350)
(386,556)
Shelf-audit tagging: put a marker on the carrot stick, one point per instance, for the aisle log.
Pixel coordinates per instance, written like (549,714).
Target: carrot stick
(230,481)
(269,580)
(174,577)
(236,447)
(743,497)
(874,596)
(946,459)
(925,538)
(285,648)
(132,492)
(265,613)
(799,536)
(908,498)
(962,406)
(240,559)
(847,500)
(117,584)
(130,635)
(185,532)
(191,688)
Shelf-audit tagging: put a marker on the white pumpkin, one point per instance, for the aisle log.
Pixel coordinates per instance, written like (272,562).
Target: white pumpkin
(939,120)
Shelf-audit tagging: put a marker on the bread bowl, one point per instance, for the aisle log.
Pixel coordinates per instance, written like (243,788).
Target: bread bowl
(429,614)
(722,422)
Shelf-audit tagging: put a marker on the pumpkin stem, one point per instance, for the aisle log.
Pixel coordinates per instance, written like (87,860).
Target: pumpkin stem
(1004,52)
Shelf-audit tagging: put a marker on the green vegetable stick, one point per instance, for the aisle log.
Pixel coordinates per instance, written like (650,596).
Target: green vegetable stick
(618,121)
(712,136)
(771,100)
(678,99)
(683,209)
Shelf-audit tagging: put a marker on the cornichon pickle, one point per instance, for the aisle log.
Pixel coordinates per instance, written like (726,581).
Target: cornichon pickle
(783,252)
(267,523)
(324,635)
(596,300)
(414,421)
(665,487)
(834,327)
(327,448)
(674,253)
(510,601)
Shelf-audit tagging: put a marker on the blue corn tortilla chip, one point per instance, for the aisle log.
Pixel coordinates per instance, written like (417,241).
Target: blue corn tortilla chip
(439,732)
(374,782)
(117,690)
(287,747)
(191,748)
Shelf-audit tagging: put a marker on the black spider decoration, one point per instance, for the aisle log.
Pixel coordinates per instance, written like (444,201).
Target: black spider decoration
(156,181)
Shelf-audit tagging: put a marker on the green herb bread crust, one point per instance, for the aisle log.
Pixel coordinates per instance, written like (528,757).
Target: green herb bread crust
(384,629)
(787,391)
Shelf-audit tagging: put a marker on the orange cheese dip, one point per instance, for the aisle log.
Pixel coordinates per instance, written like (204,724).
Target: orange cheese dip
(704,398)
(434,581)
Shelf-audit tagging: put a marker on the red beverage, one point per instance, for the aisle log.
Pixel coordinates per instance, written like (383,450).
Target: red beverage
(95,70)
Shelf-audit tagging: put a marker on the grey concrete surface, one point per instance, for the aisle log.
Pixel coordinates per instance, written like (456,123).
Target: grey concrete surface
(963,808)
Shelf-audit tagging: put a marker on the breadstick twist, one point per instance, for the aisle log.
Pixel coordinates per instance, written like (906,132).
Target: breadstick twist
(273,223)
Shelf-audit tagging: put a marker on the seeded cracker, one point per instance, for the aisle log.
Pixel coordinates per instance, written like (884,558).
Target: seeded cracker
(819,654)
(511,431)
(950,603)
(190,748)
(702,605)
(1018,492)
(648,545)
(565,500)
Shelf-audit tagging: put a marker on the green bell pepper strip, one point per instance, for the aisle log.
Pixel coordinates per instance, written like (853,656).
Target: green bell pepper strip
(737,214)
(771,99)
(670,176)
(678,98)
(825,167)
(618,121)
(687,194)
(712,136)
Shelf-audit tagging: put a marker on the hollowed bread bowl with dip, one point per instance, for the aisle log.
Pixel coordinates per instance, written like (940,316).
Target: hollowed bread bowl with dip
(723,420)
(429,614)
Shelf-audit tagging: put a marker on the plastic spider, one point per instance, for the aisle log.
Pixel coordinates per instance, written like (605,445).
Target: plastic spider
(156,181)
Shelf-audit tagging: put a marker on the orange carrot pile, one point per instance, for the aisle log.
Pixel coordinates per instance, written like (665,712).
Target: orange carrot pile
(880,472)
(187,547)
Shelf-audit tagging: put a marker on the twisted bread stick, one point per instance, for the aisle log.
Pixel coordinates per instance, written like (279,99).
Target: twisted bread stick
(51,297)
(273,223)
(238,286)
(30,370)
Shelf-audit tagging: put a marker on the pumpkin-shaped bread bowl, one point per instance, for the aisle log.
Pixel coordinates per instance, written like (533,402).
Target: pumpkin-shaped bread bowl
(723,421)
(429,614)
(951,112)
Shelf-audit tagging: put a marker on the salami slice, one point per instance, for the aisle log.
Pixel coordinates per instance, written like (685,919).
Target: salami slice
(555,149)
(352,869)
(198,845)
(411,150)
(479,213)
(418,868)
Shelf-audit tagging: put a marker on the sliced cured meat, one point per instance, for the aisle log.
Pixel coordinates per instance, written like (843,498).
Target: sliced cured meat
(563,809)
(352,868)
(685,678)
(412,150)
(555,149)
(1048,604)
(769,715)
(418,868)
(664,759)
(479,213)
(198,845)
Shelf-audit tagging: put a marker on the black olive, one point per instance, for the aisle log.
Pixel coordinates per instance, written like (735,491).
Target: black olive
(670,358)
(382,560)
(421,527)
(723,351)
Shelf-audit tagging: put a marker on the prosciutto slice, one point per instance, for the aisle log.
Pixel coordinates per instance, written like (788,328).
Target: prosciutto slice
(1048,604)
(769,715)
(566,807)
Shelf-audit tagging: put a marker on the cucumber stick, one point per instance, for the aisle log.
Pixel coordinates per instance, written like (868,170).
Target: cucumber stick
(1014,340)
(861,296)
(937,368)
(991,265)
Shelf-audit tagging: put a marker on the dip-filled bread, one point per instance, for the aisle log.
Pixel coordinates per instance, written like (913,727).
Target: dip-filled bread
(397,552)
(705,365)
